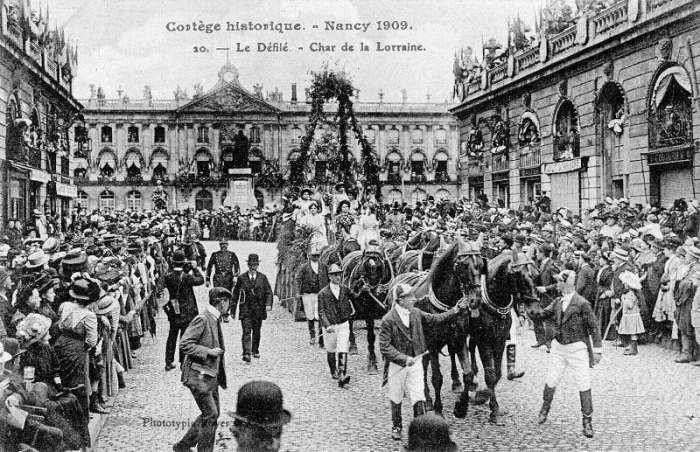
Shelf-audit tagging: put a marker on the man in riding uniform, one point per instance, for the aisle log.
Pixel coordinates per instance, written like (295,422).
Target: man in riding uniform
(311,277)
(577,344)
(402,343)
(396,220)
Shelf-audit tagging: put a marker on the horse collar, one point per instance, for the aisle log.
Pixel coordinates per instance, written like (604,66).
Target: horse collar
(435,302)
(503,312)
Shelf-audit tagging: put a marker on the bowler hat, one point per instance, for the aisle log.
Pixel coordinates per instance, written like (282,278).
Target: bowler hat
(83,289)
(178,257)
(253,259)
(430,432)
(260,403)
(45,281)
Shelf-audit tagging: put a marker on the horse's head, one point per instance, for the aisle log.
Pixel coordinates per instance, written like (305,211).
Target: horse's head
(433,245)
(522,283)
(373,266)
(470,268)
(428,236)
(349,245)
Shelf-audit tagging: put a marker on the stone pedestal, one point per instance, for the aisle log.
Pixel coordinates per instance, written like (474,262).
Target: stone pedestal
(240,189)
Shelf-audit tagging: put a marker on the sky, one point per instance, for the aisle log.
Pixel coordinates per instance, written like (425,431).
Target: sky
(126,43)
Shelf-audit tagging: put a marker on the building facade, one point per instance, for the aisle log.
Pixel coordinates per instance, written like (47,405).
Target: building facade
(608,106)
(37,111)
(189,146)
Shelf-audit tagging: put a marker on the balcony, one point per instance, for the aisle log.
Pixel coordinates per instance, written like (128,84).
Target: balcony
(34,157)
(499,162)
(394,178)
(419,178)
(530,157)
(442,177)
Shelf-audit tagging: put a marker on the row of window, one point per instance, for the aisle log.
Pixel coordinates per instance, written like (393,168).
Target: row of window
(106,135)
(106,201)
(393,136)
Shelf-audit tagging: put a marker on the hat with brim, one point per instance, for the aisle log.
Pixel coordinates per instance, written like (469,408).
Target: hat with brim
(32,329)
(178,257)
(306,190)
(37,259)
(694,251)
(104,305)
(335,268)
(566,276)
(619,253)
(253,259)
(51,245)
(45,282)
(84,289)
(74,258)
(260,403)
(631,280)
(4,356)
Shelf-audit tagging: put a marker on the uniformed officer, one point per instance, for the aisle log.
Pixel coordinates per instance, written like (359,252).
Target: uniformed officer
(226,268)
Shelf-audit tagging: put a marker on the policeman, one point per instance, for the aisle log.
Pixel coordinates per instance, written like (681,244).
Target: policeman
(226,268)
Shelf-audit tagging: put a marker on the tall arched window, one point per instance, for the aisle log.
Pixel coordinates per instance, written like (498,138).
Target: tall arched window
(13,134)
(203,158)
(133,162)
(106,163)
(566,131)
(671,110)
(255,134)
(106,134)
(133,134)
(133,201)
(107,202)
(418,167)
(418,195)
(395,196)
(159,163)
(393,165)
(204,200)
(203,134)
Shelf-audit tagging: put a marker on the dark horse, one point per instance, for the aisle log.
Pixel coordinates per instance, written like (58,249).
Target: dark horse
(368,275)
(416,242)
(418,260)
(456,275)
(508,285)
(334,254)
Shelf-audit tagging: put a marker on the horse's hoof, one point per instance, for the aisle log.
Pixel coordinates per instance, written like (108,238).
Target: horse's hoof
(497,419)
(372,369)
(457,388)
(459,412)
(481,397)
(353,349)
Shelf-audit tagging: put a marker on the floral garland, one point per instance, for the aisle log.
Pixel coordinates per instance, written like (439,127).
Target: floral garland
(327,85)
(159,198)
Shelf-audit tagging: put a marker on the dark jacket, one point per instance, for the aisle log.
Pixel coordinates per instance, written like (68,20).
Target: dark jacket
(253,297)
(546,279)
(309,282)
(577,324)
(585,283)
(331,310)
(397,343)
(200,372)
(180,286)
(225,265)
(617,285)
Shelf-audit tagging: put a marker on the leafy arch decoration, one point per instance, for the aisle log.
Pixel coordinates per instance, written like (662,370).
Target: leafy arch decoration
(326,86)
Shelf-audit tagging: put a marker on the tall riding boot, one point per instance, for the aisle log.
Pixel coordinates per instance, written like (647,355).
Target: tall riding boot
(320,335)
(633,348)
(587,411)
(510,359)
(396,424)
(95,406)
(330,357)
(312,332)
(419,409)
(343,377)
(547,397)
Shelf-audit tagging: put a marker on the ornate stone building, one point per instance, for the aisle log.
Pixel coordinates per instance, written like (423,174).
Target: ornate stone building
(189,146)
(37,111)
(605,105)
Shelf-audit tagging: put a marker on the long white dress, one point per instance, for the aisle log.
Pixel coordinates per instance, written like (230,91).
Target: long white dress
(368,229)
(319,238)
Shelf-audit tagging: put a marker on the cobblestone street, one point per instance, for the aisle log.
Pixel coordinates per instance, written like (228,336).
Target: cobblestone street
(644,402)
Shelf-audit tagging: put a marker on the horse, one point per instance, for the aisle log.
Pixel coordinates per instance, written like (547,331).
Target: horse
(418,260)
(368,275)
(334,254)
(416,242)
(508,284)
(457,274)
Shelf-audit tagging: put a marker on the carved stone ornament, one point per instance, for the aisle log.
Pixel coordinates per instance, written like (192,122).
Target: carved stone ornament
(664,49)
(563,88)
(228,133)
(527,101)
(632,10)
(544,48)
(608,70)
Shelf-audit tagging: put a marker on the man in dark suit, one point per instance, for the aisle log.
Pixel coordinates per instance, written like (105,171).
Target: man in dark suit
(402,343)
(254,294)
(226,267)
(547,289)
(203,370)
(182,306)
(575,327)
(334,311)
(311,277)
(585,277)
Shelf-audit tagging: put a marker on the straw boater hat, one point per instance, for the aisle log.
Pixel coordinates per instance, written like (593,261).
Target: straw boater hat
(619,253)
(335,268)
(37,259)
(631,280)
(694,252)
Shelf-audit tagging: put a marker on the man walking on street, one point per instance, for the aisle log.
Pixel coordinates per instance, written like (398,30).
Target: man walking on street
(575,326)
(226,267)
(182,306)
(335,310)
(310,279)
(204,371)
(254,294)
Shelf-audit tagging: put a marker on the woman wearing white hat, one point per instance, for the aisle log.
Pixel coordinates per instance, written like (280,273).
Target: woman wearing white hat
(631,321)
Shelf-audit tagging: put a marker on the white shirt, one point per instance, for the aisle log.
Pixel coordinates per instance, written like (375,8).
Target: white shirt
(252,275)
(213,311)
(314,266)
(335,289)
(566,300)
(404,314)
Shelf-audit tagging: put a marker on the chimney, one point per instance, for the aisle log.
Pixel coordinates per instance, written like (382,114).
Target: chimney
(294,93)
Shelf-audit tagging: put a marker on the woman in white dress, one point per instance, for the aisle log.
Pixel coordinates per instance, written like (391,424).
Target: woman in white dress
(368,227)
(317,222)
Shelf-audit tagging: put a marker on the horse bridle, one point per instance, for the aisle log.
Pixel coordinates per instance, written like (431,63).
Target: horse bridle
(465,288)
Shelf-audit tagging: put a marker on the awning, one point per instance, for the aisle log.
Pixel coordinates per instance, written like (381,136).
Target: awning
(108,161)
(133,159)
(417,157)
(80,164)
(394,157)
(203,156)
(676,73)
(441,156)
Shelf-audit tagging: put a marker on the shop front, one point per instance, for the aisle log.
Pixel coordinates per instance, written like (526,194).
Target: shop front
(565,178)
(476,187)
(671,176)
(501,188)
(530,185)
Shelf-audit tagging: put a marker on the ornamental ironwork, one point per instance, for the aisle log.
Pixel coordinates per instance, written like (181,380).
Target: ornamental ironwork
(671,125)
